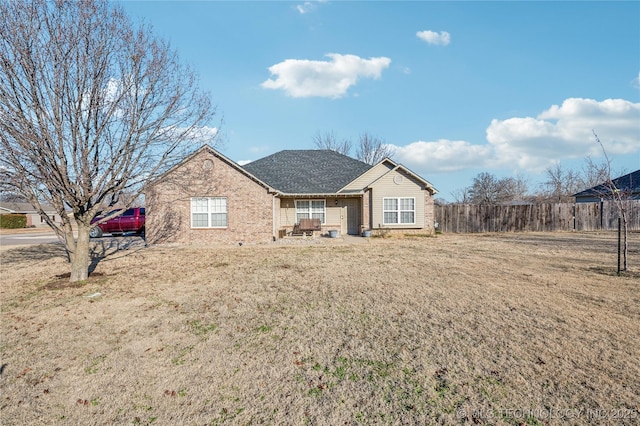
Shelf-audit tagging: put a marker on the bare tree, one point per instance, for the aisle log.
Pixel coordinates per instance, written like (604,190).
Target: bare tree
(620,197)
(91,107)
(462,195)
(12,197)
(485,189)
(329,140)
(372,149)
(513,189)
(488,189)
(594,173)
(561,183)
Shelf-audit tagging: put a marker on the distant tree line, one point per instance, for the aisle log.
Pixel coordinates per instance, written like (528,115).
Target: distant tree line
(559,186)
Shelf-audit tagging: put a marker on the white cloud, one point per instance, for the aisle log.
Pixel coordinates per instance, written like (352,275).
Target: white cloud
(534,143)
(636,82)
(203,134)
(442,38)
(443,155)
(301,78)
(566,131)
(309,6)
(197,135)
(243,162)
(306,7)
(113,90)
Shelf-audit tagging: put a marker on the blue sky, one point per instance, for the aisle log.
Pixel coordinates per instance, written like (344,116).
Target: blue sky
(457,88)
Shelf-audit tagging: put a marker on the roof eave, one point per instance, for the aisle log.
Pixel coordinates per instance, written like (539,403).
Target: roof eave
(318,195)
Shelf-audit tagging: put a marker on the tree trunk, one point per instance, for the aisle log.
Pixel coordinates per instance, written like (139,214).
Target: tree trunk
(625,241)
(79,254)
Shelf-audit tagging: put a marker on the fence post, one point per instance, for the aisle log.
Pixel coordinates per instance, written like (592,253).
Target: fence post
(619,234)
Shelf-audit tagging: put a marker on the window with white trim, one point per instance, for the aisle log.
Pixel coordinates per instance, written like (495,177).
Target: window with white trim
(209,212)
(310,209)
(399,211)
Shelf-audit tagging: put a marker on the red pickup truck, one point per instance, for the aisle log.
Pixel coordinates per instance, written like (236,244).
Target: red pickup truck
(131,220)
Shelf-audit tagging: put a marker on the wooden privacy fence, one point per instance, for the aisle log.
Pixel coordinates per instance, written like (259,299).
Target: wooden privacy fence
(469,218)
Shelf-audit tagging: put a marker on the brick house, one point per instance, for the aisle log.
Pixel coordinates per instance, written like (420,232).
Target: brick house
(208,198)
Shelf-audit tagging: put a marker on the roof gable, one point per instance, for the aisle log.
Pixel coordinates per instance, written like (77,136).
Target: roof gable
(210,150)
(307,171)
(365,179)
(399,167)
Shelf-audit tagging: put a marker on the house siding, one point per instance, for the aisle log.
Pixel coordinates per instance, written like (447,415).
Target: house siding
(374,173)
(387,186)
(287,213)
(250,207)
(34,220)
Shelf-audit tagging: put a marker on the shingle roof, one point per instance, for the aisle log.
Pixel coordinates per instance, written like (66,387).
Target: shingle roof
(23,207)
(628,183)
(307,171)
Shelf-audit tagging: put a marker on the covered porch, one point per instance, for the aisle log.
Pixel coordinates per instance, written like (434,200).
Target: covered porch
(345,213)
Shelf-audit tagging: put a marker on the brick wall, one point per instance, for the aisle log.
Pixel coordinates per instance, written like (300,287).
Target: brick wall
(168,202)
(429,212)
(366,210)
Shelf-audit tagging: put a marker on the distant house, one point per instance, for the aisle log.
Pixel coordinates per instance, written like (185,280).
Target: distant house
(629,184)
(34,219)
(209,198)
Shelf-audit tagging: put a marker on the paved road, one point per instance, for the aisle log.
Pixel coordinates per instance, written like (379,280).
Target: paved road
(28,239)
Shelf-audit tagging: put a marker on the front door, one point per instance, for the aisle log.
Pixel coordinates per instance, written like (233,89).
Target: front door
(352,208)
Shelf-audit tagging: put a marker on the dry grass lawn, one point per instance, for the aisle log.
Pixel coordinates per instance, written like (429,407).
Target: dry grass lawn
(456,329)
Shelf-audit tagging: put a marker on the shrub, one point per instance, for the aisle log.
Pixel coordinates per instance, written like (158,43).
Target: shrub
(13,221)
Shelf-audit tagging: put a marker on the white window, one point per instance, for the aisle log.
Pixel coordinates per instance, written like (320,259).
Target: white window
(398,211)
(310,209)
(209,212)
